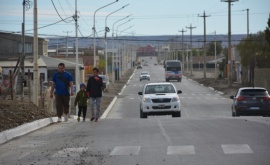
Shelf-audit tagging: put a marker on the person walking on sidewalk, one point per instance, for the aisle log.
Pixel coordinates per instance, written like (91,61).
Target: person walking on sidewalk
(81,100)
(62,88)
(94,89)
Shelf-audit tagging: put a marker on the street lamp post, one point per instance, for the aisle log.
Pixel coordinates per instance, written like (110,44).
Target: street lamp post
(118,43)
(94,29)
(107,30)
(125,29)
(113,65)
(124,54)
(121,25)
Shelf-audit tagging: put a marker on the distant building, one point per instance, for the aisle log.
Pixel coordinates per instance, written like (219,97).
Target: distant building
(146,51)
(11,45)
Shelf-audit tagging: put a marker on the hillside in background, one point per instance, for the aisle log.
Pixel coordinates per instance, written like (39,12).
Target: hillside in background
(197,40)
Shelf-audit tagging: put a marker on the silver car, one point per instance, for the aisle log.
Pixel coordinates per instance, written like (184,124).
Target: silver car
(160,99)
(145,76)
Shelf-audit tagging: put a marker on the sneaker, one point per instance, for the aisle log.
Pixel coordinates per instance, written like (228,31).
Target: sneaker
(78,119)
(65,117)
(59,119)
(92,119)
(96,120)
(83,119)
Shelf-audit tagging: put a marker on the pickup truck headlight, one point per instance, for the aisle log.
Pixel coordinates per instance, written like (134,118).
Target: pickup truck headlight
(175,99)
(147,100)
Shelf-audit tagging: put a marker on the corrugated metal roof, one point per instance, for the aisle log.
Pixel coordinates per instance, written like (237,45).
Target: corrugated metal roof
(52,63)
(28,63)
(43,61)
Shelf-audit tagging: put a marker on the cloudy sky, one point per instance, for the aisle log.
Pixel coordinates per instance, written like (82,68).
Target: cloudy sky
(148,17)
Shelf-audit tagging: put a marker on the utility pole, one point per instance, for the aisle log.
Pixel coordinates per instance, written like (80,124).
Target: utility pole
(77,77)
(247,22)
(36,75)
(204,44)
(183,57)
(229,41)
(191,57)
(67,42)
(23,52)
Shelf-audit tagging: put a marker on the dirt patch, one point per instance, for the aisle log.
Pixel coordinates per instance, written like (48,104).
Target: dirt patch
(15,113)
(220,85)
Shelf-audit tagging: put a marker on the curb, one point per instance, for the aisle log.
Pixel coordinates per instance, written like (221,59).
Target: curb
(35,125)
(25,129)
(211,88)
(106,112)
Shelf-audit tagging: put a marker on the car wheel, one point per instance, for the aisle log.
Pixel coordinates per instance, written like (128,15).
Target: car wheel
(148,79)
(176,114)
(143,115)
(140,80)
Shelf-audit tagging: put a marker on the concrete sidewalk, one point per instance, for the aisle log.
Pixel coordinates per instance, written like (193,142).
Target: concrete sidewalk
(35,125)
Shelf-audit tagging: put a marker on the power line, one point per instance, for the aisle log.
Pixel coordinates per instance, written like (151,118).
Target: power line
(50,24)
(58,13)
(62,8)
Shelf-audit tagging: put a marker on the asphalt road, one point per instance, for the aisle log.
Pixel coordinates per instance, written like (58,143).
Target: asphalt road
(206,134)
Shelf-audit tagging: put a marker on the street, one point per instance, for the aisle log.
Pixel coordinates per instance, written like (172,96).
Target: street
(205,134)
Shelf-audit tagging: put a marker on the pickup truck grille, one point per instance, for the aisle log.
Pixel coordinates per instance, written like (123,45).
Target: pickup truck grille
(165,100)
(161,107)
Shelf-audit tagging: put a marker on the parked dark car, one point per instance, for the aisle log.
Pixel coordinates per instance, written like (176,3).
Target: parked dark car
(139,67)
(251,101)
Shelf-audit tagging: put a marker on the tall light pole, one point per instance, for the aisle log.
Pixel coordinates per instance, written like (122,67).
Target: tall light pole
(94,29)
(229,40)
(113,65)
(117,22)
(121,25)
(107,30)
(124,54)
(118,42)
(125,29)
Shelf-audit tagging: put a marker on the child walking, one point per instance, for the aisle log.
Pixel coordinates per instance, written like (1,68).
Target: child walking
(81,100)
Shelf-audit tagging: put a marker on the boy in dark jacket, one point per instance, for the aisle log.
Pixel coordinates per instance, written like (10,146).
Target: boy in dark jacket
(94,88)
(81,100)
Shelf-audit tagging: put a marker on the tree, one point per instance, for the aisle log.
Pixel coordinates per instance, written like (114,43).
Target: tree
(195,52)
(211,48)
(267,31)
(255,51)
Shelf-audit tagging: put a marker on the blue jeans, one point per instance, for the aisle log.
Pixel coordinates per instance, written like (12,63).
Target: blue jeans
(94,100)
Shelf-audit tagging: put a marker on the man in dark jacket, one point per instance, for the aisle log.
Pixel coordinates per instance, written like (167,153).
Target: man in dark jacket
(94,89)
